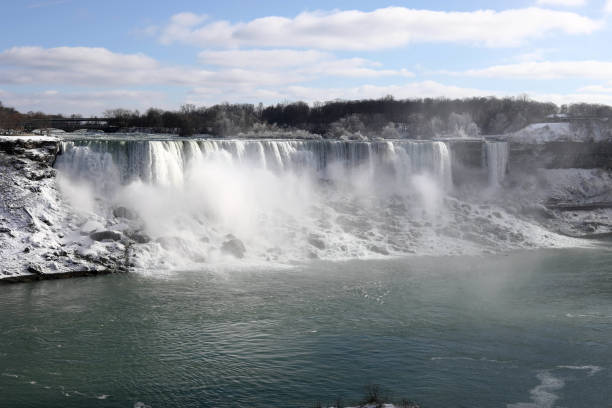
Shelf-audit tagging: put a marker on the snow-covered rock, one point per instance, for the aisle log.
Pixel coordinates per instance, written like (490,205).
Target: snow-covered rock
(29,138)
(539,133)
(36,239)
(91,226)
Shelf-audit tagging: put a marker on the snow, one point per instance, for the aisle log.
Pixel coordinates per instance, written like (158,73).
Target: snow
(584,185)
(532,191)
(539,133)
(29,138)
(91,226)
(35,237)
(48,131)
(542,133)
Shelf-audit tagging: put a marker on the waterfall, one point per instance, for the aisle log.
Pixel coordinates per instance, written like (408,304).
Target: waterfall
(496,155)
(283,199)
(188,202)
(163,162)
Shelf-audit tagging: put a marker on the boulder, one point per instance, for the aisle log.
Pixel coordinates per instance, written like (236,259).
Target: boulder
(90,227)
(378,249)
(538,211)
(123,212)
(35,269)
(316,241)
(105,236)
(139,237)
(234,246)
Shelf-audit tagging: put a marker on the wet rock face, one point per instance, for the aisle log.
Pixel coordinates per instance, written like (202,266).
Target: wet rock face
(39,150)
(316,241)
(35,269)
(105,236)
(124,212)
(234,246)
(139,237)
(378,249)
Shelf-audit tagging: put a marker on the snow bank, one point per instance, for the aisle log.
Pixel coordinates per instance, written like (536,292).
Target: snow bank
(48,131)
(539,133)
(29,138)
(34,242)
(542,133)
(577,185)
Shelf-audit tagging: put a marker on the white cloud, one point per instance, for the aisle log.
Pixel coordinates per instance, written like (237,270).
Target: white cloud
(101,68)
(61,56)
(584,97)
(382,28)
(546,70)
(307,63)
(420,89)
(535,55)
(417,89)
(85,103)
(78,65)
(94,103)
(278,58)
(608,6)
(423,89)
(562,3)
(595,89)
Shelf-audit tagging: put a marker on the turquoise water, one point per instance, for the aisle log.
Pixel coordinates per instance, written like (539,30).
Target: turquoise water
(529,327)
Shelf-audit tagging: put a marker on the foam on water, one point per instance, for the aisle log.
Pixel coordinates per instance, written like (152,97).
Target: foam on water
(481,359)
(592,369)
(543,395)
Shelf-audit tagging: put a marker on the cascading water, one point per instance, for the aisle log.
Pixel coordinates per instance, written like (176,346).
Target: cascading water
(164,162)
(194,201)
(496,155)
(284,199)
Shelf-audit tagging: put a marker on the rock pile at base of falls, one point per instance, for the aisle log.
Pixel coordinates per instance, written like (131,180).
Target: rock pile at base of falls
(105,236)
(233,246)
(124,212)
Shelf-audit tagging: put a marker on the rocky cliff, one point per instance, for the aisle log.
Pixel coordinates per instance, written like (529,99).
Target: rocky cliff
(33,215)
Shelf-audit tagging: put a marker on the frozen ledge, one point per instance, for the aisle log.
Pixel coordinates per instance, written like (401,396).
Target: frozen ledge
(29,138)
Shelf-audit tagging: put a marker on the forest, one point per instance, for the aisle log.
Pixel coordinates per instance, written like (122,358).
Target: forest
(384,117)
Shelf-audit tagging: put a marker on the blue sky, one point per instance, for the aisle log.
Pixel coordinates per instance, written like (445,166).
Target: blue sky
(86,56)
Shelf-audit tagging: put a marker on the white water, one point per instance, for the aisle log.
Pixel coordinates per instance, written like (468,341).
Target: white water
(496,154)
(166,162)
(285,200)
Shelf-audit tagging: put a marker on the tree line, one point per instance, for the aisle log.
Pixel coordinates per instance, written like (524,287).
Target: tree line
(417,118)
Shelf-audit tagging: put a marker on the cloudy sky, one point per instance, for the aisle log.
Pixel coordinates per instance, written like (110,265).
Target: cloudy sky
(84,56)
